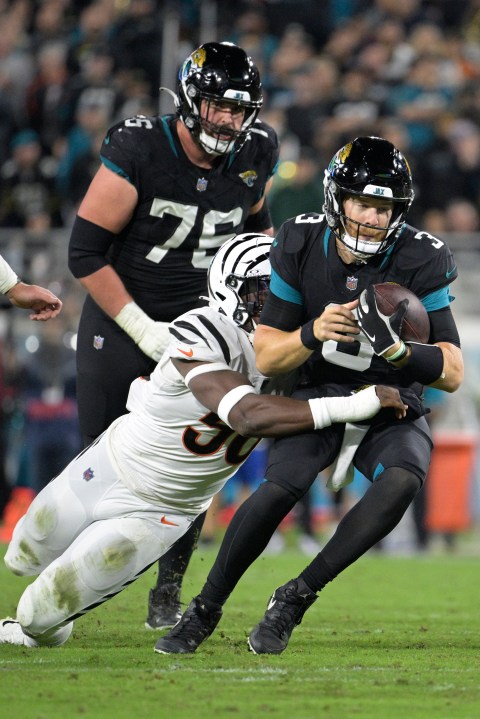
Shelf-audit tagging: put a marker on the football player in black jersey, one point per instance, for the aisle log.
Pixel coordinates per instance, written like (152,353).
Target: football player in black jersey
(170,190)
(321,314)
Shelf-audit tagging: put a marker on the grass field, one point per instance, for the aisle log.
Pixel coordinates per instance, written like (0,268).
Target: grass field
(391,638)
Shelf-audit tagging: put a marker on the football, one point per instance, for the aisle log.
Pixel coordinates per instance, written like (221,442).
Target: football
(416,325)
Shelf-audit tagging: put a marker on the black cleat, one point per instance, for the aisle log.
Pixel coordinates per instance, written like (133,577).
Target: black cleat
(163,607)
(196,624)
(285,611)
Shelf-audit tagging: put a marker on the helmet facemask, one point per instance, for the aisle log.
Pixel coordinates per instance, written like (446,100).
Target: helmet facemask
(252,293)
(239,279)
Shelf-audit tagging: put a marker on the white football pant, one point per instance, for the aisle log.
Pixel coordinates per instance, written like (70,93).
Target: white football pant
(87,537)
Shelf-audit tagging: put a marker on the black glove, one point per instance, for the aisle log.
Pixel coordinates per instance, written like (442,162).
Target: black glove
(380,330)
(416,407)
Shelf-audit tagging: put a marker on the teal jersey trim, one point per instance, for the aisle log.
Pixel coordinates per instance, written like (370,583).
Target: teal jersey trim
(115,168)
(437,300)
(169,135)
(326,239)
(282,289)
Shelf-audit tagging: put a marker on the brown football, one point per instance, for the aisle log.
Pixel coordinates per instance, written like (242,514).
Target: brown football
(416,325)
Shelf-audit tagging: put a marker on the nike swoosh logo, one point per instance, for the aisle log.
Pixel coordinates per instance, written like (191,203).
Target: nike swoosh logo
(271,603)
(164,520)
(449,274)
(370,337)
(187,354)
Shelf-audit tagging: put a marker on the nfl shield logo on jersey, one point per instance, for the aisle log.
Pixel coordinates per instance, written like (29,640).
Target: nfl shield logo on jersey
(202,184)
(88,474)
(98,342)
(352,283)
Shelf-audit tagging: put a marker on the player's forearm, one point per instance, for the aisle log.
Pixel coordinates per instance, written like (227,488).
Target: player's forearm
(265,416)
(8,278)
(453,370)
(277,351)
(107,289)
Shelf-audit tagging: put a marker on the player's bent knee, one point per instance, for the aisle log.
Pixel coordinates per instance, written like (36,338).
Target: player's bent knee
(106,568)
(402,482)
(21,560)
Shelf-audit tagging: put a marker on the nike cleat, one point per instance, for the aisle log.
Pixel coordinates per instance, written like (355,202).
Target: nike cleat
(196,625)
(285,611)
(163,607)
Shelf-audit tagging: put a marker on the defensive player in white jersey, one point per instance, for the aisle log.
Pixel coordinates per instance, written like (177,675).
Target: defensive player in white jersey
(123,501)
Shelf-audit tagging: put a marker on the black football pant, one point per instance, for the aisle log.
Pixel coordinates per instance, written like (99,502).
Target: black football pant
(250,530)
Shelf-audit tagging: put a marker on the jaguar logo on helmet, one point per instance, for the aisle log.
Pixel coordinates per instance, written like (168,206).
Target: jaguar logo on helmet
(199,57)
(344,152)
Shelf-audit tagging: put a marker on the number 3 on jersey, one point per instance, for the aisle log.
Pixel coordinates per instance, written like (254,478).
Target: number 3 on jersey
(356,356)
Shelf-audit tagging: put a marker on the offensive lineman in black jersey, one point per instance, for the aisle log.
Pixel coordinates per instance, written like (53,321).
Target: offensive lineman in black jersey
(321,314)
(170,190)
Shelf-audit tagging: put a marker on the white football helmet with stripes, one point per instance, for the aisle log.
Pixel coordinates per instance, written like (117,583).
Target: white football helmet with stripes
(239,277)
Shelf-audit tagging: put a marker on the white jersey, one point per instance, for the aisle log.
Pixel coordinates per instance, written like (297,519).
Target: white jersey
(170,449)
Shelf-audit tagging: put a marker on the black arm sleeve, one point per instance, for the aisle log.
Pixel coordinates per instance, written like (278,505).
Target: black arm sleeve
(260,221)
(88,247)
(443,327)
(280,314)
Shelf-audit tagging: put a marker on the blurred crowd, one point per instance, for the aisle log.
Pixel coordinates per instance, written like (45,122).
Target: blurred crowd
(408,71)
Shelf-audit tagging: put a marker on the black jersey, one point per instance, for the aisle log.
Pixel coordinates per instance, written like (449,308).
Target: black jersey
(308,275)
(184,212)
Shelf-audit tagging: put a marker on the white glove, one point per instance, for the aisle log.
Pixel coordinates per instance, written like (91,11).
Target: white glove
(8,278)
(152,337)
(328,410)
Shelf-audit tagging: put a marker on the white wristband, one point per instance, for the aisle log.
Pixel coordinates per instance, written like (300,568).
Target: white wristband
(8,278)
(152,337)
(328,410)
(232,398)
(320,413)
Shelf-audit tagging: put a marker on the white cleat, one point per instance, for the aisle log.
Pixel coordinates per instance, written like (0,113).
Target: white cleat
(11,632)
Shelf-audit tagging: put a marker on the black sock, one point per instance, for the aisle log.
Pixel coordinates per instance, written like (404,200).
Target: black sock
(372,518)
(247,535)
(173,564)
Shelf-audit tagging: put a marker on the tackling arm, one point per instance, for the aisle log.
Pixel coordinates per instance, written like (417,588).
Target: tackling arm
(254,415)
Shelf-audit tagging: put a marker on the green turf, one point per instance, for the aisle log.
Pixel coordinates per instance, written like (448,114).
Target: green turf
(391,638)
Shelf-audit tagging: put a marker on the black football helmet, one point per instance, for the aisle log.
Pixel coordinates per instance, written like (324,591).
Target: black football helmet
(367,167)
(220,72)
